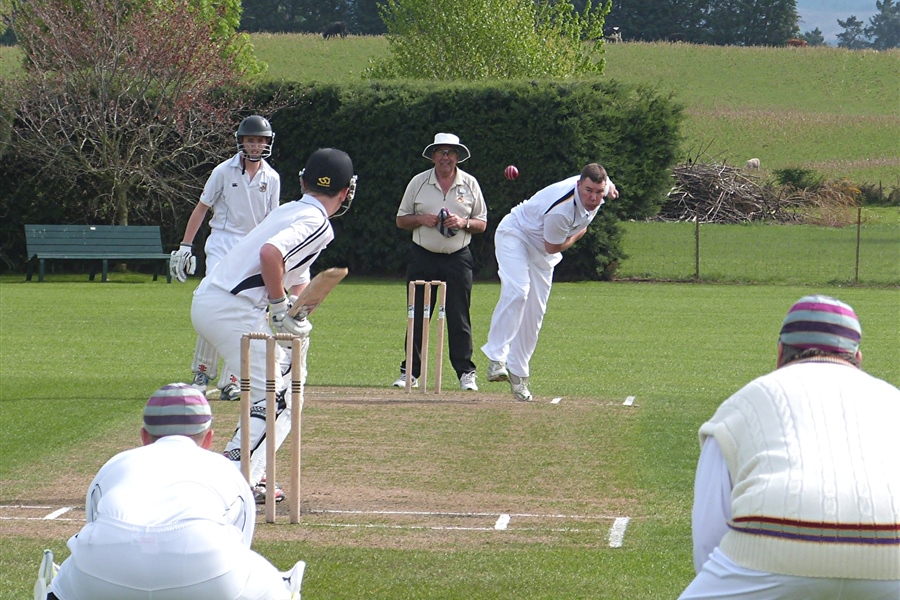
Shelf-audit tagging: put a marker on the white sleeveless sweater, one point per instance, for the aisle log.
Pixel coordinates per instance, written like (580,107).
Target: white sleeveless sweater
(813,450)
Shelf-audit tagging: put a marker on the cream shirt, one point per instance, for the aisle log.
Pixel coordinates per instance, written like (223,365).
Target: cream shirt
(424,196)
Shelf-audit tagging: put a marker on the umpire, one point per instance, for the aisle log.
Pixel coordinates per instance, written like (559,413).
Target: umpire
(443,207)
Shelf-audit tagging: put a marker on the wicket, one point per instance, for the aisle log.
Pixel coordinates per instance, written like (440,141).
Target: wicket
(426,325)
(296,407)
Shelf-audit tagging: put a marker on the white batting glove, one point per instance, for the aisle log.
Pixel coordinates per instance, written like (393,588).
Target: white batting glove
(281,322)
(182,263)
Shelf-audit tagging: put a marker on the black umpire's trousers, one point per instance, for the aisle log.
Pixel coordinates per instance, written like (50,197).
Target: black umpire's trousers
(456,270)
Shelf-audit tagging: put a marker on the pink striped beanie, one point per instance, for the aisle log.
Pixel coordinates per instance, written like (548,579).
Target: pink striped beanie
(821,322)
(177,409)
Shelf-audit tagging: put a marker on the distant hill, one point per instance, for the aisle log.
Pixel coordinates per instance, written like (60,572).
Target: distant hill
(830,110)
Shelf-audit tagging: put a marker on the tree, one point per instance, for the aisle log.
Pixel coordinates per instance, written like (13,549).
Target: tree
(884,26)
(651,20)
(275,16)
(854,35)
(7,35)
(129,100)
(751,22)
(365,18)
(482,39)
(311,16)
(814,37)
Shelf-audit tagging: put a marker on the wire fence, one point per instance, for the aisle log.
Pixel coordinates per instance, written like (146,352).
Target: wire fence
(866,253)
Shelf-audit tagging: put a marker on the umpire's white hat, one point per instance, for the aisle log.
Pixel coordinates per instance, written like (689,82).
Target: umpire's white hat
(447,139)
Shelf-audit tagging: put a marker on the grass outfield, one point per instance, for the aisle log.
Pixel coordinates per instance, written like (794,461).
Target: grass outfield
(767,253)
(73,381)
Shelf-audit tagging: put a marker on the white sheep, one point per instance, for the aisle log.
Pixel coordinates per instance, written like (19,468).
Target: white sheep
(753,163)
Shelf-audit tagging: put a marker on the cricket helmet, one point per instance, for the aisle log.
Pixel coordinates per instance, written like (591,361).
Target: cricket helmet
(258,126)
(330,170)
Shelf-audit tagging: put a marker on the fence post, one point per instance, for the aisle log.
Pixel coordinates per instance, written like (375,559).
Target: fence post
(858,235)
(697,247)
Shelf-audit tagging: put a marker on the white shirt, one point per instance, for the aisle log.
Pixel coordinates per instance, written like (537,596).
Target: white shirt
(239,203)
(162,516)
(553,214)
(712,502)
(300,230)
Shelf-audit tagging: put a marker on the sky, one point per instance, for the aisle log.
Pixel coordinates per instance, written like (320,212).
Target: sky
(825,13)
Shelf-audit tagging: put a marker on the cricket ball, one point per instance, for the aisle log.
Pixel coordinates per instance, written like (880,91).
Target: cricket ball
(511,172)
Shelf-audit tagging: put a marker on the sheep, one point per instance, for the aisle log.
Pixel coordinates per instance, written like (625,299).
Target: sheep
(753,163)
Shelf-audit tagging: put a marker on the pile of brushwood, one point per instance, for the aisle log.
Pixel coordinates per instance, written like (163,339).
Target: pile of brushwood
(719,193)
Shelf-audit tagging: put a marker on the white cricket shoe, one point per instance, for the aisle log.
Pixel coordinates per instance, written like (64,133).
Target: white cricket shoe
(401,382)
(259,492)
(46,572)
(497,371)
(519,387)
(230,393)
(293,579)
(201,381)
(467,382)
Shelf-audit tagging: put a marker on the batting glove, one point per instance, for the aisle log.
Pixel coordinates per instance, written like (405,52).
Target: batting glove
(182,263)
(281,322)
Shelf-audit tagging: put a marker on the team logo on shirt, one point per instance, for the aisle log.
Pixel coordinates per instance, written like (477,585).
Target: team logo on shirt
(263,186)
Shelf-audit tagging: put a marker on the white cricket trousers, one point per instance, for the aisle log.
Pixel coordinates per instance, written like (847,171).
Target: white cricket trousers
(526,276)
(223,319)
(206,359)
(722,579)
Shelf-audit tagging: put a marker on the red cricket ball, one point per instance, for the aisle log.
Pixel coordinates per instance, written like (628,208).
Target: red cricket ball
(511,172)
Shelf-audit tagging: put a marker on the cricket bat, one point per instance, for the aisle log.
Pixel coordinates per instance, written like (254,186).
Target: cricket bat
(316,291)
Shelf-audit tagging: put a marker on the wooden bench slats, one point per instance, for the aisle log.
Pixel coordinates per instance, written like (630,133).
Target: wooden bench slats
(94,242)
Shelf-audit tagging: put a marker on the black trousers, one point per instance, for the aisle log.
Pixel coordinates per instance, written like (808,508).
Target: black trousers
(456,270)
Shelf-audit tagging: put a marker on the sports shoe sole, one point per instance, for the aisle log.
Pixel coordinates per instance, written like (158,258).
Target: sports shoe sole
(500,374)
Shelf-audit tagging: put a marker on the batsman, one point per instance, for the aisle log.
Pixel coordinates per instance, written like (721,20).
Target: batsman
(253,278)
(241,191)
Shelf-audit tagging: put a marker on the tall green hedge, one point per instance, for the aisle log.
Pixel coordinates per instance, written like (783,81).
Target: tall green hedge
(548,130)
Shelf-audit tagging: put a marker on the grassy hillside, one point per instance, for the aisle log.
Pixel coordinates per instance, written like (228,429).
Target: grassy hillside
(828,109)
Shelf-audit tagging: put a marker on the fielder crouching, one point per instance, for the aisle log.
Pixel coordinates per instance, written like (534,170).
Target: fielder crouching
(253,276)
(168,520)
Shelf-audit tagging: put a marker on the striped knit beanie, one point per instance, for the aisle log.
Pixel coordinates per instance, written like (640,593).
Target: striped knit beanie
(177,409)
(821,322)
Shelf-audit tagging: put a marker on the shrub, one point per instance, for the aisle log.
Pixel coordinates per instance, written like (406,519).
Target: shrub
(798,178)
(548,129)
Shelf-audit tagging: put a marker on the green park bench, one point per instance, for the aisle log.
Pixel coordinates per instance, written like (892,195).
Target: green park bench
(94,242)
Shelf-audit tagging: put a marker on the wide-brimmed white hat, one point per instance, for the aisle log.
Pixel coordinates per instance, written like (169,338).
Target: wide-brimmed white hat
(447,139)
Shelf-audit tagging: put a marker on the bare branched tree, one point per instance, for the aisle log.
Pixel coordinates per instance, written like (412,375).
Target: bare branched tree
(135,101)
